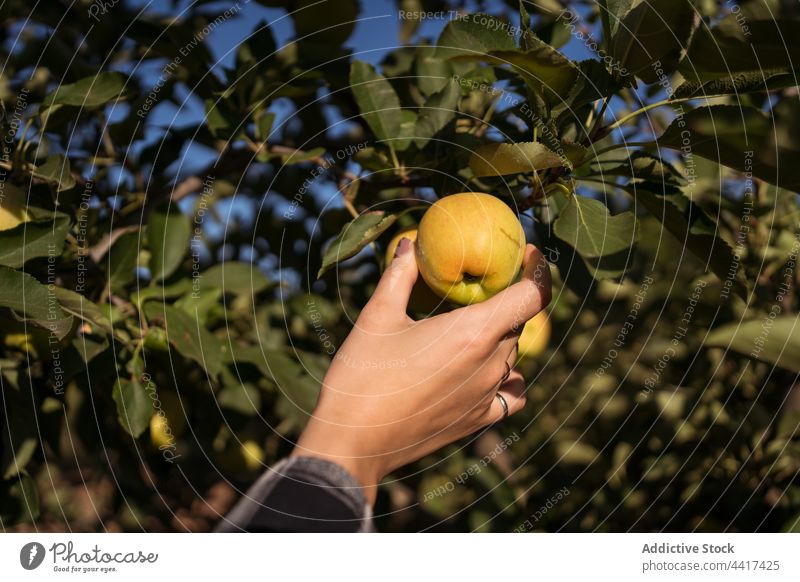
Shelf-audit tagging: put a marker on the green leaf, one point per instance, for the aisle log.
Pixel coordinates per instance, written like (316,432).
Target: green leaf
(611,14)
(372,159)
(25,295)
(168,231)
(82,308)
(264,126)
(219,119)
(299,397)
(723,134)
(432,73)
(574,153)
(88,92)
(262,42)
(327,22)
(122,259)
(176,289)
(592,82)
(408,124)
(19,500)
(56,170)
(200,303)
(525,26)
(298,383)
(298,156)
(693,228)
(474,34)
(242,398)
(544,69)
(355,235)
(276,365)
(192,340)
(408,26)
(500,159)
(234,277)
(772,340)
(728,49)
(376,99)
(587,226)
(437,112)
(89,347)
(20,437)
(134,406)
(652,31)
(33,239)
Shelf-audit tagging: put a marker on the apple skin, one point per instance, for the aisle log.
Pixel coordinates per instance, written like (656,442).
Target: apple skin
(469,247)
(535,335)
(422,299)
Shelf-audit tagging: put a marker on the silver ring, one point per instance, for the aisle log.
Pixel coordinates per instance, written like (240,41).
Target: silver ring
(504,404)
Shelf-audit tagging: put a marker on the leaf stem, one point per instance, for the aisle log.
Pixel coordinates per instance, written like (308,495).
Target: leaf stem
(480,129)
(558,186)
(611,148)
(400,170)
(598,122)
(21,146)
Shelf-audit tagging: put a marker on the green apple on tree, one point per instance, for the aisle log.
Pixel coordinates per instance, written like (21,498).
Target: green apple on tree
(469,247)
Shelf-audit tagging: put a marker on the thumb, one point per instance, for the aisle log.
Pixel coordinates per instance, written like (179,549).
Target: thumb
(394,289)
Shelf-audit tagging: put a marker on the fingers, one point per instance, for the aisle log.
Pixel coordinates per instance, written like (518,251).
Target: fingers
(499,365)
(391,296)
(507,312)
(511,360)
(513,390)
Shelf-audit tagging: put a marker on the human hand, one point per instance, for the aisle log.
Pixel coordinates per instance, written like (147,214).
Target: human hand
(399,389)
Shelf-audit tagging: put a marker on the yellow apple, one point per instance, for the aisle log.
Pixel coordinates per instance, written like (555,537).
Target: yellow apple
(252,455)
(244,456)
(13,208)
(34,341)
(535,336)
(169,423)
(469,247)
(422,299)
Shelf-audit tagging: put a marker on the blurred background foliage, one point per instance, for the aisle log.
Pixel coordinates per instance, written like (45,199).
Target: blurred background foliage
(165,212)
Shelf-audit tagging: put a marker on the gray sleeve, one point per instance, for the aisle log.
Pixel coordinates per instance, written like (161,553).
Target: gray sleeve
(301,494)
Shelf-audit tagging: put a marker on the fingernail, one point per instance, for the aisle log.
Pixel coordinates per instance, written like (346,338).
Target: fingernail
(403,247)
